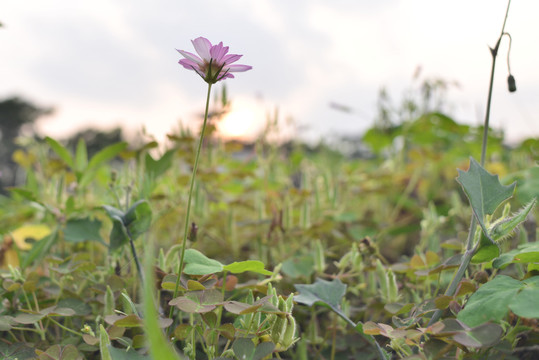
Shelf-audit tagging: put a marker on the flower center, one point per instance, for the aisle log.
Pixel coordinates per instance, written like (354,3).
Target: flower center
(213,70)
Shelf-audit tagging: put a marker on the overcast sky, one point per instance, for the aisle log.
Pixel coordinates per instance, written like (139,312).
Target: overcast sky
(108,63)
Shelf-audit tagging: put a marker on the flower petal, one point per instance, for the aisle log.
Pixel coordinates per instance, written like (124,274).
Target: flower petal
(223,76)
(217,52)
(188,64)
(230,58)
(202,46)
(213,62)
(191,56)
(238,68)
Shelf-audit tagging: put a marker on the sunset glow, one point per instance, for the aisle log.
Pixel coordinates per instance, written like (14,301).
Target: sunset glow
(240,123)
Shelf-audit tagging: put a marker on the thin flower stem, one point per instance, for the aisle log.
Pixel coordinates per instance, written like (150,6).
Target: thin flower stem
(191,186)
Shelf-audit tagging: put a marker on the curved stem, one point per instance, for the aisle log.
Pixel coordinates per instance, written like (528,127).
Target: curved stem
(494,53)
(191,186)
(471,249)
(465,262)
(487,115)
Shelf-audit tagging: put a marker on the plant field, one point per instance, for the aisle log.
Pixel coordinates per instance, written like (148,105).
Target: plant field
(292,252)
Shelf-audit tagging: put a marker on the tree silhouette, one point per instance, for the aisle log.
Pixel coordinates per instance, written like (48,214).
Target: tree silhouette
(15,113)
(95,139)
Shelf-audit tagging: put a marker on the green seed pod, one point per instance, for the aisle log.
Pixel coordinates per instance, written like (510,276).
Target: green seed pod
(282,304)
(274,300)
(246,319)
(278,329)
(382,279)
(345,261)
(506,210)
(501,230)
(356,261)
(128,306)
(289,336)
(371,283)
(319,258)
(250,299)
(109,302)
(162,259)
(104,342)
(171,258)
(289,304)
(393,289)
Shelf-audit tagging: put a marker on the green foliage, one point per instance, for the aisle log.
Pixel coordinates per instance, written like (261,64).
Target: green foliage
(525,253)
(156,168)
(84,170)
(481,336)
(159,347)
(494,299)
(199,264)
(245,349)
(57,352)
(129,225)
(330,294)
(16,351)
(484,192)
(322,292)
(374,239)
(84,229)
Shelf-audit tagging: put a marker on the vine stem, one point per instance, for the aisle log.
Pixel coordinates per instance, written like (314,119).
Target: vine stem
(494,53)
(135,256)
(191,186)
(471,249)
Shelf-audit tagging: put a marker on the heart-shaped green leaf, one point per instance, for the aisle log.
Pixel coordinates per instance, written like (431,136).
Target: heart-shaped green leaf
(322,292)
(490,302)
(138,218)
(199,264)
(525,302)
(484,192)
(248,265)
(245,349)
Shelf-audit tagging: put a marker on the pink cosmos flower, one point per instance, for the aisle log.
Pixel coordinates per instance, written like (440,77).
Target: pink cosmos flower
(213,64)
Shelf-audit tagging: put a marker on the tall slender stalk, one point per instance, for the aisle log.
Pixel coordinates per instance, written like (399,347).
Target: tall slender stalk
(494,53)
(135,256)
(191,186)
(470,248)
(131,240)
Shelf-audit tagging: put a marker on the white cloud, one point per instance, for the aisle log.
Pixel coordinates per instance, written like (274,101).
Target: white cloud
(104,61)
